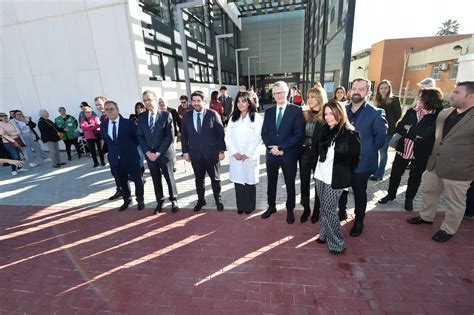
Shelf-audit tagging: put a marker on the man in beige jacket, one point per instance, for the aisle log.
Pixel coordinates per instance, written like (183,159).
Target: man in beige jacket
(451,165)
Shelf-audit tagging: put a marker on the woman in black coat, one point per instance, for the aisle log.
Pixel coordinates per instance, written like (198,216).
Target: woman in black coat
(339,151)
(417,129)
(314,121)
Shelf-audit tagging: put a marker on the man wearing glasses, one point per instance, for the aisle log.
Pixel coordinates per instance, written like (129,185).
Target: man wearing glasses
(282,133)
(120,134)
(183,106)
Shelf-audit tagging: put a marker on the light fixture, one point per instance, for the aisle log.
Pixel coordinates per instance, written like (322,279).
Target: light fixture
(459,48)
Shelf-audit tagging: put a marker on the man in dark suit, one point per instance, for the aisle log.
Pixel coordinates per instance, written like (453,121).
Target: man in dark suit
(202,138)
(155,136)
(120,134)
(227,103)
(282,133)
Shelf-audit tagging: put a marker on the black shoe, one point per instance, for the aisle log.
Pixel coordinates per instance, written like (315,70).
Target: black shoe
(79,156)
(56,165)
(95,165)
(141,205)
(418,220)
(199,205)
(268,212)
(125,205)
(305,215)
(375,179)
(103,163)
(320,241)
(117,195)
(386,199)
(249,211)
(62,163)
(315,216)
(240,211)
(69,158)
(357,229)
(159,207)
(290,217)
(441,236)
(174,169)
(342,214)
(219,205)
(335,252)
(409,204)
(174,206)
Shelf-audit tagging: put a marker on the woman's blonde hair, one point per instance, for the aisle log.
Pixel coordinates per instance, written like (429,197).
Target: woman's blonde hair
(322,98)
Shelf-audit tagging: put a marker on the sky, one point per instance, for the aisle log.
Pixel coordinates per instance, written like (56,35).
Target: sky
(376,20)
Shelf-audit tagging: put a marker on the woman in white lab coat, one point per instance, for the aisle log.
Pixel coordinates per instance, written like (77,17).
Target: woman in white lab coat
(243,140)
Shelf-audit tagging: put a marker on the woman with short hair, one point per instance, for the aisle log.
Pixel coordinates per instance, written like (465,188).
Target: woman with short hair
(91,126)
(50,137)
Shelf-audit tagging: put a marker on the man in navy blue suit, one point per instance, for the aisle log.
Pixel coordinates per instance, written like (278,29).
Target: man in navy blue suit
(120,134)
(155,136)
(202,138)
(282,133)
(372,126)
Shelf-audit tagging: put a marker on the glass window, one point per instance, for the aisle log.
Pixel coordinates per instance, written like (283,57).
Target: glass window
(169,64)
(204,74)
(160,9)
(180,71)
(217,19)
(192,75)
(210,72)
(436,71)
(196,30)
(197,73)
(154,66)
(453,73)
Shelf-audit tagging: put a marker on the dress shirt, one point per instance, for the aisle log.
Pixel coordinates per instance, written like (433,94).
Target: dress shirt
(111,126)
(282,111)
(203,112)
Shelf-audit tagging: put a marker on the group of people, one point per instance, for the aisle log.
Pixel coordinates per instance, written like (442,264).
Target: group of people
(336,142)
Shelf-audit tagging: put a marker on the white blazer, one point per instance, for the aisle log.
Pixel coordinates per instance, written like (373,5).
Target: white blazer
(244,136)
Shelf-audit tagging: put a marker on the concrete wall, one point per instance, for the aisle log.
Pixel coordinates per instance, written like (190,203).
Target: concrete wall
(277,39)
(59,53)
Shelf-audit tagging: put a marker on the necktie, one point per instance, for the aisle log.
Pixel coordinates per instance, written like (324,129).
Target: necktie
(114,131)
(280,117)
(198,123)
(151,123)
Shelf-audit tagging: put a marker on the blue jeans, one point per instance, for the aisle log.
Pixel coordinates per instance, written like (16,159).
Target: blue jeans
(383,156)
(13,153)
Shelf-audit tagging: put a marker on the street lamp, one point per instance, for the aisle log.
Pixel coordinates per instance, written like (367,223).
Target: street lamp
(363,69)
(460,49)
(219,75)
(248,61)
(184,44)
(237,62)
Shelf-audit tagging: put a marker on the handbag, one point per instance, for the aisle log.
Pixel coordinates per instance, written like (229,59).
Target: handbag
(394,141)
(15,142)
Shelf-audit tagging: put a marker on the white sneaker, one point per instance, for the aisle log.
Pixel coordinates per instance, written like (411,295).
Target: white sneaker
(14,173)
(33,164)
(48,160)
(22,169)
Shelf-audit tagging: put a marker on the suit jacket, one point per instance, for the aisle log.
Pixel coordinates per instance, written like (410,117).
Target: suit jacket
(209,142)
(227,106)
(372,127)
(288,137)
(161,140)
(453,156)
(125,148)
(176,120)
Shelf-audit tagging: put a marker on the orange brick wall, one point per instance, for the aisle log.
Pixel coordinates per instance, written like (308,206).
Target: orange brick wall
(444,83)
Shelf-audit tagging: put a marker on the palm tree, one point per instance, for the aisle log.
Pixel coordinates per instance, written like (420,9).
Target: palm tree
(450,27)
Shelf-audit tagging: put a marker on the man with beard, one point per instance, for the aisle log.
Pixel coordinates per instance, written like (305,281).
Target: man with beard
(450,169)
(372,126)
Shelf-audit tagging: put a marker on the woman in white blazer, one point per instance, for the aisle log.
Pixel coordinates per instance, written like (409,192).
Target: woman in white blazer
(243,140)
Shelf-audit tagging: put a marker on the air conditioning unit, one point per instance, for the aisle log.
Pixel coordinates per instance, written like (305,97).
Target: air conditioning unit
(443,66)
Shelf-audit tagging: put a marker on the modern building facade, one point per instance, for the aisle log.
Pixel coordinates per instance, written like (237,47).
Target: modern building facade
(59,53)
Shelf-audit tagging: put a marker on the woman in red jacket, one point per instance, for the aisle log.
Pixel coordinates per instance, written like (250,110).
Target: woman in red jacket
(215,104)
(91,127)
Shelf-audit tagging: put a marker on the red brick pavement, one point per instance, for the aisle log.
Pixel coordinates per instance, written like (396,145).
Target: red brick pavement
(88,261)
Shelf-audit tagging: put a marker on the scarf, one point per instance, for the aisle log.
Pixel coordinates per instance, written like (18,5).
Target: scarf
(327,137)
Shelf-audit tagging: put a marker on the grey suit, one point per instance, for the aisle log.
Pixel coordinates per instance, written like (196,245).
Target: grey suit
(159,140)
(228,103)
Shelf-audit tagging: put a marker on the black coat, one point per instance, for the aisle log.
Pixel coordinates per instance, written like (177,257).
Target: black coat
(346,157)
(425,129)
(49,131)
(393,112)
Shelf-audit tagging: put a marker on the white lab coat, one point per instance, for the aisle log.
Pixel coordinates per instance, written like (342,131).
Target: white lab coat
(244,137)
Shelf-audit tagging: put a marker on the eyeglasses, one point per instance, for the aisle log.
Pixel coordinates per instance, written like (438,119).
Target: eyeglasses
(183,102)
(109,109)
(279,93)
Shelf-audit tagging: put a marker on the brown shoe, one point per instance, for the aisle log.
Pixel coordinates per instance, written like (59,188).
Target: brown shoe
(418,220)
(441,236)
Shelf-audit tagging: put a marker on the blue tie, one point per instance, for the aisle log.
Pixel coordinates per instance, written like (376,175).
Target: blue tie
(151,123)
(198,123)
(114,131)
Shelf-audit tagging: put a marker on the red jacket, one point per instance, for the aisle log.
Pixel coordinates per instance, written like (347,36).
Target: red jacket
(217,106)
(90,126)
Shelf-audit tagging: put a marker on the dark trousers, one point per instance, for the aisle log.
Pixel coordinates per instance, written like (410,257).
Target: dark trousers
(417,167)
(359,188)
(213,169)
(164,168)
(246,197)
(125,171)
(307,166)
(470,200)
(94,148)
(68,143)
(289,173)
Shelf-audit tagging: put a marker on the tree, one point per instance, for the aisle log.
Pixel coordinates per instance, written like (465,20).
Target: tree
(450,27)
